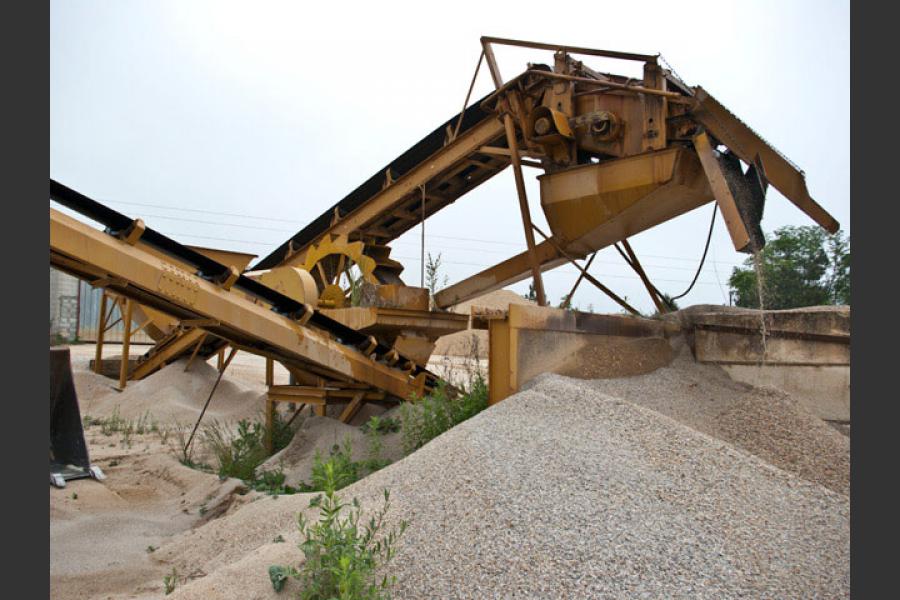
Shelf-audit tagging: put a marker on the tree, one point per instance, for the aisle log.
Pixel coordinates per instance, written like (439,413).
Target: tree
(432,275)
(532,293)
(801,266)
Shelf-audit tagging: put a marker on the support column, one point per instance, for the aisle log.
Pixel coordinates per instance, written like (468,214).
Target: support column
(517,171)
(126,342)
(101,330)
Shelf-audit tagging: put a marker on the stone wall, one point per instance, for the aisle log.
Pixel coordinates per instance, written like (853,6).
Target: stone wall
(63,305)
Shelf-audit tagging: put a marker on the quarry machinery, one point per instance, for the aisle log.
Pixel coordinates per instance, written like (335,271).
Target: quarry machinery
(617,155)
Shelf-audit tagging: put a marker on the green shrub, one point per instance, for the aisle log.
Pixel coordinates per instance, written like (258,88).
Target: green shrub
(381,425)
(340,470)
(341,557)
(272,482)
(237,454)
(434,414)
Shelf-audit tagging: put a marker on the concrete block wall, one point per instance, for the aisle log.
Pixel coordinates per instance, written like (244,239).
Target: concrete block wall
(63,304)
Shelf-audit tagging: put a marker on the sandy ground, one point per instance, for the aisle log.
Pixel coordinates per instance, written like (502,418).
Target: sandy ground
(717,465)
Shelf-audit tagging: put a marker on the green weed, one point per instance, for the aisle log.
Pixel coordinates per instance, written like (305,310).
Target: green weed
(341,556)
(170,580)
(434,414)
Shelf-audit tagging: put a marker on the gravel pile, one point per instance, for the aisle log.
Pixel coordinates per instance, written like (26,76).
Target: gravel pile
(764,422)
(562,491)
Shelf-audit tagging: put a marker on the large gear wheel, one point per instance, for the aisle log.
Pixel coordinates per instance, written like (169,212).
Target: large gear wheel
(339,267)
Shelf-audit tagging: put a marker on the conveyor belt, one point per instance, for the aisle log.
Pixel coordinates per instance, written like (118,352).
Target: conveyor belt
(117,223)
(420,152)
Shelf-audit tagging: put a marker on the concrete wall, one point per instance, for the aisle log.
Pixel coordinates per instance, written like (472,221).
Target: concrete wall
(824,390)
(806,353)
(63,304)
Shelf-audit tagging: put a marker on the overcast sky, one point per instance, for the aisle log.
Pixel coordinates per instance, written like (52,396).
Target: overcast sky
(233,124)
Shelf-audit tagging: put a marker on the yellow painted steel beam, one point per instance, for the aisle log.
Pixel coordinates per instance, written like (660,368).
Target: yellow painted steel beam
(389,198)
(744,142)
(166,353)
(500,275)
(724,198)
(157,282)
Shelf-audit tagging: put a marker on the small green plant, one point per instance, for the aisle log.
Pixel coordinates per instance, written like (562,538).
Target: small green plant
(272,483)
(112,424)
(381,425)
(74,496)
(151,549)
(237,454)
(340,470)
(341,556)
(203,510)
(434,414)
(374,461)
(170,580)
(279,539)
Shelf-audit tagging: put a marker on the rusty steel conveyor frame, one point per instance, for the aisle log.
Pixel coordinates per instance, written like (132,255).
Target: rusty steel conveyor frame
(131,260)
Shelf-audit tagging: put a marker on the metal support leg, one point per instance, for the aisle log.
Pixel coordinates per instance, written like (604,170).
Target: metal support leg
(579,280)
(195,352)
(517,171)
(523,208)
(636,265)
(126,342)
(590,277)
(101,330)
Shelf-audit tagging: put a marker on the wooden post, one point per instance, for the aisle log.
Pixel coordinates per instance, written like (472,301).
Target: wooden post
(126,341)
(221,361)
(270,372)
(101,330)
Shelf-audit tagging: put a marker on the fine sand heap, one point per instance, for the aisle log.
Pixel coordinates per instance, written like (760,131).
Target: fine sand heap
(562,491)
(171,395)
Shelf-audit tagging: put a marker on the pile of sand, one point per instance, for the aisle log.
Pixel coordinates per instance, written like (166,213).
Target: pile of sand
(171,395)
(764,422)
(563,491)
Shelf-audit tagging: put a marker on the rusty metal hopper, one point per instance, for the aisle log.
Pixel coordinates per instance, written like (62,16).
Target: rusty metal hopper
(592,206)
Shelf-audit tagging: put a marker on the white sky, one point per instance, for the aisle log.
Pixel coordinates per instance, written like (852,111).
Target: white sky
(273,111)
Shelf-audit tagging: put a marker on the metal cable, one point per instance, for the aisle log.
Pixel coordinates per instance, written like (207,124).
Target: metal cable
(712,224)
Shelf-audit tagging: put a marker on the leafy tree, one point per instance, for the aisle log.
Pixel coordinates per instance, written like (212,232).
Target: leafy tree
(801,266)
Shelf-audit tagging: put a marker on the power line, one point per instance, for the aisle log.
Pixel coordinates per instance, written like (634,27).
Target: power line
(450,262)
(208,212)
(288,231)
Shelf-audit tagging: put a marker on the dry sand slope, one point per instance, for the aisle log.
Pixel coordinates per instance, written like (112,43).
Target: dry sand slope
(562,491)
(171,395)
